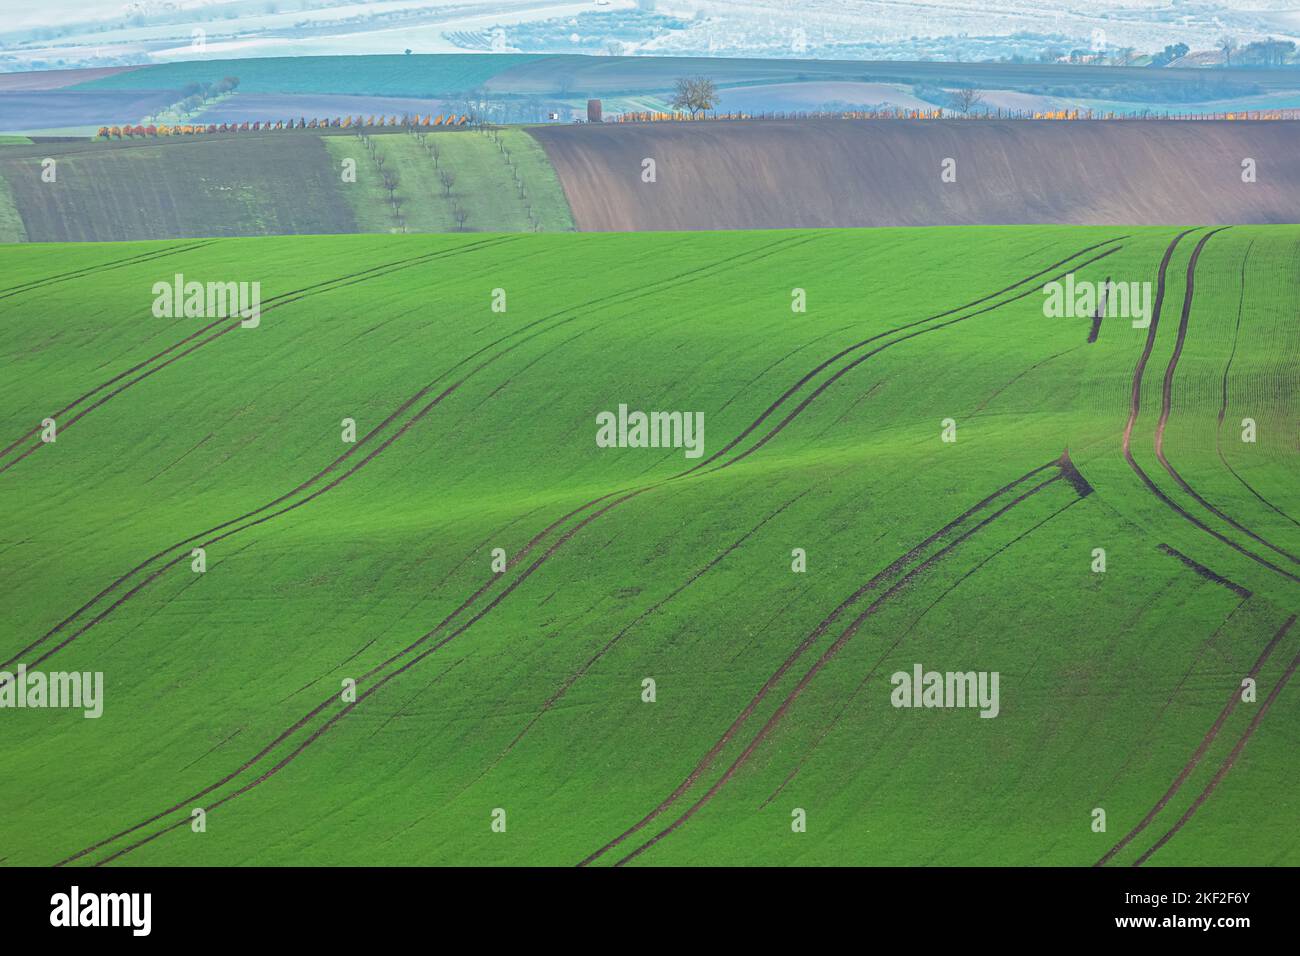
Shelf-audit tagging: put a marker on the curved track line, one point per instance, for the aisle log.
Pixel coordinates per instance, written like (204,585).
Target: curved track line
(1228,762)
(574,312)
(625,497)
(149,256)
(1223,405)
(1135,406)
(872,583)
(911,627)
(1166,402)
(275,302)
(844,370)
(1234,697)
(816,667)
(608,645)
(857,345)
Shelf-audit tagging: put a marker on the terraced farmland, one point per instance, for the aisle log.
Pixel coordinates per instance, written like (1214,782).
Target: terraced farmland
(516,692)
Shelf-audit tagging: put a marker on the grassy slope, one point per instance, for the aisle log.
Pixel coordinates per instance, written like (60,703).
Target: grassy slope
(223,187)
(11,222)
(484,185)
(1109,681)
(277,183)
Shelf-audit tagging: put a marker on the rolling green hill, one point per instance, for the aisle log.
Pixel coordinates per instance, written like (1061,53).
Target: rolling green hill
(522,689)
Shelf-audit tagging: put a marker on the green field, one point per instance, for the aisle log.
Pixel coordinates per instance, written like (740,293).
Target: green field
(522,689)
(428,75)
(485,185)
(279,183)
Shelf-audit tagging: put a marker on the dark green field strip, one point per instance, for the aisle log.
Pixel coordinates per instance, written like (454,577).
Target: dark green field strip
(223,186)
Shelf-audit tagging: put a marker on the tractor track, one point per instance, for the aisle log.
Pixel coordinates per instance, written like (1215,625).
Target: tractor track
(271,304)
(35,284)
(894,568)
(1135,406)
(867,341)
(1230,760)
(1166,400)
(574,312)
(1223,405)
(1234,697)
(844,370)
(658,605)
(826,731)
(625,496)
(816,667)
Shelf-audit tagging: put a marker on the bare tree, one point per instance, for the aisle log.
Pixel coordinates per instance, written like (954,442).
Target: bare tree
(448,180)
(1229,46)
(391,181)
(966,99)
(695,94)
(461,215)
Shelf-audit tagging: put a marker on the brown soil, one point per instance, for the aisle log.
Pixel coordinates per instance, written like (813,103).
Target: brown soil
(827,173)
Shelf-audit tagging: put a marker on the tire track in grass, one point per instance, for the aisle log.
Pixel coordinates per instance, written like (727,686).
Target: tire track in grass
(1223,405)
(757,254)
(34,284)
(535,328)
(625,496)
(867,341)
(189,338)
(1100,311)
(1135,407)
(844,370)
(1230,760)
(1166,402)
(826,732)
(275,302)
(773,721)
(1234,697)
(790,391)
(890,571)
(609,645)
(1205,572)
